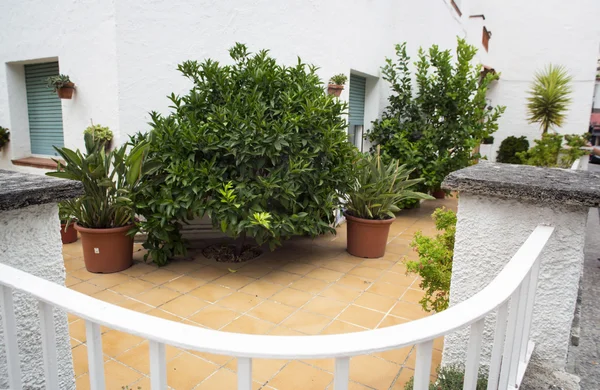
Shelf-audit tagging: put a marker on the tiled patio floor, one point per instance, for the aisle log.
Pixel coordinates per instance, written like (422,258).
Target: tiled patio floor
(308,287)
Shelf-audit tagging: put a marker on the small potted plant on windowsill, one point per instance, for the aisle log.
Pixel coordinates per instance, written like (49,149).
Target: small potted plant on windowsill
(62,85)
(68,234)
(336,84)
(105,212)
(4,137)
(371,203)
(102,135)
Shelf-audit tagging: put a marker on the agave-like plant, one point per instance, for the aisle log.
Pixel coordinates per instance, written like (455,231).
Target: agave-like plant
(549,97)
(379,187)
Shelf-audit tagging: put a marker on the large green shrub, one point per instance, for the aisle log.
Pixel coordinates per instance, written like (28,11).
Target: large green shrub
(510,146)
(549,152)
(434,125)
(258,147)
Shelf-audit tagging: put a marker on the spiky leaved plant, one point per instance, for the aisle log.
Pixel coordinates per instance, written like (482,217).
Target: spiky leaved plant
(549,97)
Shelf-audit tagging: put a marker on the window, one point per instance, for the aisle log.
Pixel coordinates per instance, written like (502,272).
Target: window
(356,110)
(486,38)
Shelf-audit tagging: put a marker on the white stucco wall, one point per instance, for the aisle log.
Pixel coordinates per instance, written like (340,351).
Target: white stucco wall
(526,36)
(597,95)
(485,242)
(30,241)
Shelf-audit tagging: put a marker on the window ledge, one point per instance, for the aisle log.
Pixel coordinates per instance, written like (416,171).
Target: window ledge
(35,162)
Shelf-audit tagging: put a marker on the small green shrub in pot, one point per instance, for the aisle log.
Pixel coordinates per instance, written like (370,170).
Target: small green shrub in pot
(372,201)
(257,146)
(509,147)
(101,134)
(68,234)
(4,137)
(338,79)
(549,151)
(336,84)
(452,377)
(434,265)
(62,85)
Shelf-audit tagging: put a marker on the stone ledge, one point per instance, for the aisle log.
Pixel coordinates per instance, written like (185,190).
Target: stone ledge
(527,183)
(18,190)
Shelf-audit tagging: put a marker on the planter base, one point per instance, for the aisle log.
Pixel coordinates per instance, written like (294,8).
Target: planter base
(68,236)
(366,237)
(106,250)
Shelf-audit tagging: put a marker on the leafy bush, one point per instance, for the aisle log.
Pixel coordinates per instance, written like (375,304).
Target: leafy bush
(338,79)
(549,99)
(510,146)
(451,378)
(548,151)
(434,128)
(57,82)
(108,181)
(258,147)
(379,187)
(487,140)
(4,136)
(434,265)
(101,134)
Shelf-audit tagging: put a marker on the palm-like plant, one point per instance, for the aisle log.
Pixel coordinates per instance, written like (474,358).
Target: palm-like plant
(549,97)
(379,187)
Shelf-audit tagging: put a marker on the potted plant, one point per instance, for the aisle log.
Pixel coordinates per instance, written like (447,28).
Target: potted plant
(68,234)
(336,84)
(105,212)
(62,85)
(371,203)
(4,136)
(101,134)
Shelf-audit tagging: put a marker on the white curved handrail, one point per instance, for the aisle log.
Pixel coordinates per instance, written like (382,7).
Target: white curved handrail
(288,347)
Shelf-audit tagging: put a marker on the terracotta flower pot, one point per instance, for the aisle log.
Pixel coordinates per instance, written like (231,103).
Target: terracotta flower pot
(439,194)
(68,236)
(66,92)
(106,250)
(367,237)
(335,89)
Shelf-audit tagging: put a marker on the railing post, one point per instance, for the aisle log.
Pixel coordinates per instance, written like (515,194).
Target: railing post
(244,373)
(49,345)
(95,359)
(341,373)
(473,352)
(499,335)
(158,366)
(9,326)
(423,365)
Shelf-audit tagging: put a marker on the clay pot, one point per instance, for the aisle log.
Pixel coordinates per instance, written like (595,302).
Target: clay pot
(335,89)
(66,92)
(439,194)
(367,237)
(106,250)
(68,236)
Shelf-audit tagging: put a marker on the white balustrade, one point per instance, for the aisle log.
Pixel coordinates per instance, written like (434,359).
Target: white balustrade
(511,294)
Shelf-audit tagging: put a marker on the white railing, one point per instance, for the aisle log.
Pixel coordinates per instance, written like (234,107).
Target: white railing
(512,293)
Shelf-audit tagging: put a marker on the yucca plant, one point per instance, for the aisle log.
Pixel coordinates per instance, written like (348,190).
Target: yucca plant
(549,97)
(379,187)
(108,180)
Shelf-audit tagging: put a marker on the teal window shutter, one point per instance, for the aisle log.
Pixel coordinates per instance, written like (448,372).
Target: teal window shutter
(356,103)
(44,109)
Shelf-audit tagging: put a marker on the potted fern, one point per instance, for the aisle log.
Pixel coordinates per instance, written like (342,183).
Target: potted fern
(105,212)
(62,85)
(336,84)
(371,203)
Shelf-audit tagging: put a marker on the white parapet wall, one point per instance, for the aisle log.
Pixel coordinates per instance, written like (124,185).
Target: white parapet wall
(30,241)
(499,206)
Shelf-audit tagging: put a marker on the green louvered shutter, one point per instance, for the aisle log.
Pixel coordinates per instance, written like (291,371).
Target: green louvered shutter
(356,106)
(43,106)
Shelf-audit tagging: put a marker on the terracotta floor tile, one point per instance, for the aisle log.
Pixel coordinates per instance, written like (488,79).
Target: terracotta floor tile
(291,297)
(82,274)
(135,305)
(341,293)
(234,281)
(74,342)
(115,342)
(391,321)
(403,378)
(186,371)
(366,272)
(184,284)
(324,364)
(157,296)
(261,289)
(262,369)
(361,316)
(300,376)
(387,289)
(222,379)
(355,282)
(184,305)
(399,268)
(208,273)
(82,382)
(248,325)
(298,268)
(221,360)
(399,247)
(71,281)
(438,343)
(398,356)
(214,316)
(280,277)
(139,269)
(210,292)
(348,258)
(132,288)
(118,375)
(87,288)
(77,330)
(109,280)
(373,372)
(164,315)
(80,359)
(109,296)
(325,274)
(411,311)
(239,302)
(378,263)
(337,265)
(160,276)
(309,285)
(254,271)
(375,302)
(413,296)
(182,266)
(325,306)
(72,317)
(138,357)
(306,322)
(272,311)
(397,279)
(338,327)
(283,331)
